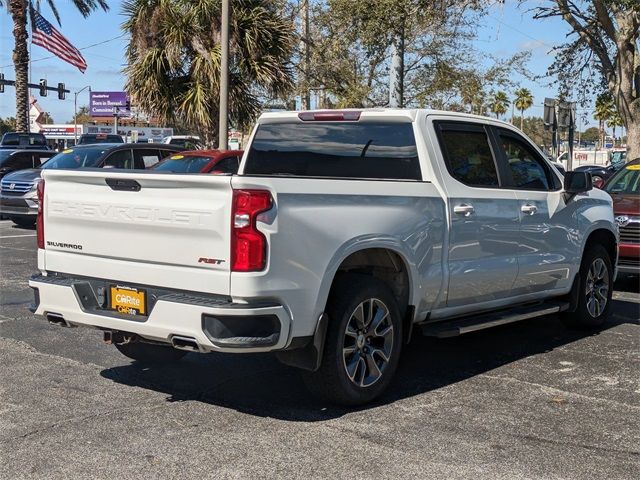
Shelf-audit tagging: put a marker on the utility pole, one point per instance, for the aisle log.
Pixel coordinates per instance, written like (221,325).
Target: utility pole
(223,128)
(305,97)
(396,75)
(75,112)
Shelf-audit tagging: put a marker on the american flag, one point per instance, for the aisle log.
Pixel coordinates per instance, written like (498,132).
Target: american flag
(46,36)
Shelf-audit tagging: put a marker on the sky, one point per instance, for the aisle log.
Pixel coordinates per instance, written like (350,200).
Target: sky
(508,29)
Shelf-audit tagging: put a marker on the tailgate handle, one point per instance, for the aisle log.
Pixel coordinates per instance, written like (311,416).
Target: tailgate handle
(123,184)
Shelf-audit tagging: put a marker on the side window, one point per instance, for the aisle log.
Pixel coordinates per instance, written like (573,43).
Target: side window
(120,159)
(527,169)
(227,165)
(468,156)
(145,158)
(23,161)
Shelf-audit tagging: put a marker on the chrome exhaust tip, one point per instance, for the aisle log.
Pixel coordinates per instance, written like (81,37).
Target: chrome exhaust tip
(185,343)
(57,319)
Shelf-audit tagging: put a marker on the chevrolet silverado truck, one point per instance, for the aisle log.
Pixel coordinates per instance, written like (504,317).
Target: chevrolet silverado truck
(341,234)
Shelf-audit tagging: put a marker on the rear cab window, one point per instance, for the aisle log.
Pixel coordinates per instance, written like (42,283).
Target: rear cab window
(340,149)
(467,153)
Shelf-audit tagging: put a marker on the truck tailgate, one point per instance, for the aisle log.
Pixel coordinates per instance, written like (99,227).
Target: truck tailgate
(166,230)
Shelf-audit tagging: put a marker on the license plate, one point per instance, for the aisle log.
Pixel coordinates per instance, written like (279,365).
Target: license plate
(127,300)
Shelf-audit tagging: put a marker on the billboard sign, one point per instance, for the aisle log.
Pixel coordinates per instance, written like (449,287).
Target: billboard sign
(141,134)
(104,104)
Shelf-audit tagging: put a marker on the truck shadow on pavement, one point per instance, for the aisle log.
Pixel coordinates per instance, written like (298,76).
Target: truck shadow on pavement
(257,384)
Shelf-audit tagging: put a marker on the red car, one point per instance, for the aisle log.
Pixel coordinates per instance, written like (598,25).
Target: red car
(624,188)
(201,161)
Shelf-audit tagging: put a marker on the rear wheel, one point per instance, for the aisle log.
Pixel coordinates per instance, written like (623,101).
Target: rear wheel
(24,222)
(363,342)
(595,290)
(149,352)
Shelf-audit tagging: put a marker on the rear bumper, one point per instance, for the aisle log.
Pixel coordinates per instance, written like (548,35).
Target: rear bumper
(214,323)
(17,206)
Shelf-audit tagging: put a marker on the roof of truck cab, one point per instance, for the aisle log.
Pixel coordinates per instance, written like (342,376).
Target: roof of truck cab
(381,114)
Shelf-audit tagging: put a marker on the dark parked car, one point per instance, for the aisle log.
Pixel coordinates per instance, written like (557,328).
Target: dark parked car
(18,196)
(92,138)
(202,161)
(624,188)
(12,160)
(17,140)
(601,173)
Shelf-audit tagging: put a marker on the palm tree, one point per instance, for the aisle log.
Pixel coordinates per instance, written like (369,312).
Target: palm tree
(173,60)
(18,11)
(615,120)
(523,101)
(605,108)
(499,103)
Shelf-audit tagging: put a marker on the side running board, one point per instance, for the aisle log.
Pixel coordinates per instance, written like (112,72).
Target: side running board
(467,324)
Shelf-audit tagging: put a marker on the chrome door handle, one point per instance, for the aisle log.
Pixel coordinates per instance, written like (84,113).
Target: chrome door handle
(463,209)
(529,209)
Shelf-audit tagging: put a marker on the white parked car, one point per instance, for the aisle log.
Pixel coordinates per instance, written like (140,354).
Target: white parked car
(342,233)
(189,142)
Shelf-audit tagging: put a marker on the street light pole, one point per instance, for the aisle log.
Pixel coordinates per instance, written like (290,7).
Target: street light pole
(223,127)
(75,112)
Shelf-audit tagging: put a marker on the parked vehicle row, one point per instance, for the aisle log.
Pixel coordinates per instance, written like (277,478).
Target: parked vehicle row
(18,197)
(341,234)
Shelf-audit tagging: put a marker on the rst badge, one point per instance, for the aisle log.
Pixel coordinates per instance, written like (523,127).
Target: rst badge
(210,261)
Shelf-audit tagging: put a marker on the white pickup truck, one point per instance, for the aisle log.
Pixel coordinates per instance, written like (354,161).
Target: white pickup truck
(342,232)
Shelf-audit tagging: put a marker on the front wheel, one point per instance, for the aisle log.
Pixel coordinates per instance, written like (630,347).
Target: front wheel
(595,290)
(363,342)
(150,352)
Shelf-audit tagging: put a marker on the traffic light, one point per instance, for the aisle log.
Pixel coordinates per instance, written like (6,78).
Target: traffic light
(1,82)
(43,87)
(128,106)
(61,94)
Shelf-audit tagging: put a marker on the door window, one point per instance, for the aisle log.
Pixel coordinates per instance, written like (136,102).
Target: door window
(468,156)
(120,159)
(145,158)
(528,171)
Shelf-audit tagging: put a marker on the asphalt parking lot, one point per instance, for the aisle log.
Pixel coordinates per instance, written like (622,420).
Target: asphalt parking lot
(528,400)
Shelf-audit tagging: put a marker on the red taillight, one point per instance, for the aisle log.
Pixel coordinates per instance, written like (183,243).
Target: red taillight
(330,116)
(40,218)
(248,245)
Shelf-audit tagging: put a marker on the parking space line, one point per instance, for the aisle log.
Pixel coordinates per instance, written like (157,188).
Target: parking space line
(19,236)
(17,248)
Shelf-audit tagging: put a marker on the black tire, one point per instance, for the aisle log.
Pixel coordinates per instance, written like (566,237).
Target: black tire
(24,222)
(150,353)
(370,344)
(590,294)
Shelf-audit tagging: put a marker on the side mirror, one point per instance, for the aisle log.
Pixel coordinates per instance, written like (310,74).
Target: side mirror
(577,182)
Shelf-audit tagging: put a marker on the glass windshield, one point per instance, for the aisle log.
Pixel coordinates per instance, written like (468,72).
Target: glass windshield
(24,139)
(626,181)
(182,164)
(618,159)
(76,158)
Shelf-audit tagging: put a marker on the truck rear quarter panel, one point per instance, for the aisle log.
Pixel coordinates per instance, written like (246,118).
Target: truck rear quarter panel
(317,223)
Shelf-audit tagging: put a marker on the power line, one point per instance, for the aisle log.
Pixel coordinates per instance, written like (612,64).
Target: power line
(83,48)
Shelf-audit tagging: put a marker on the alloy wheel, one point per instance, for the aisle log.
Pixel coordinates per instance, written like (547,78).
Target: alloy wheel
(368,342)
(597,288)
